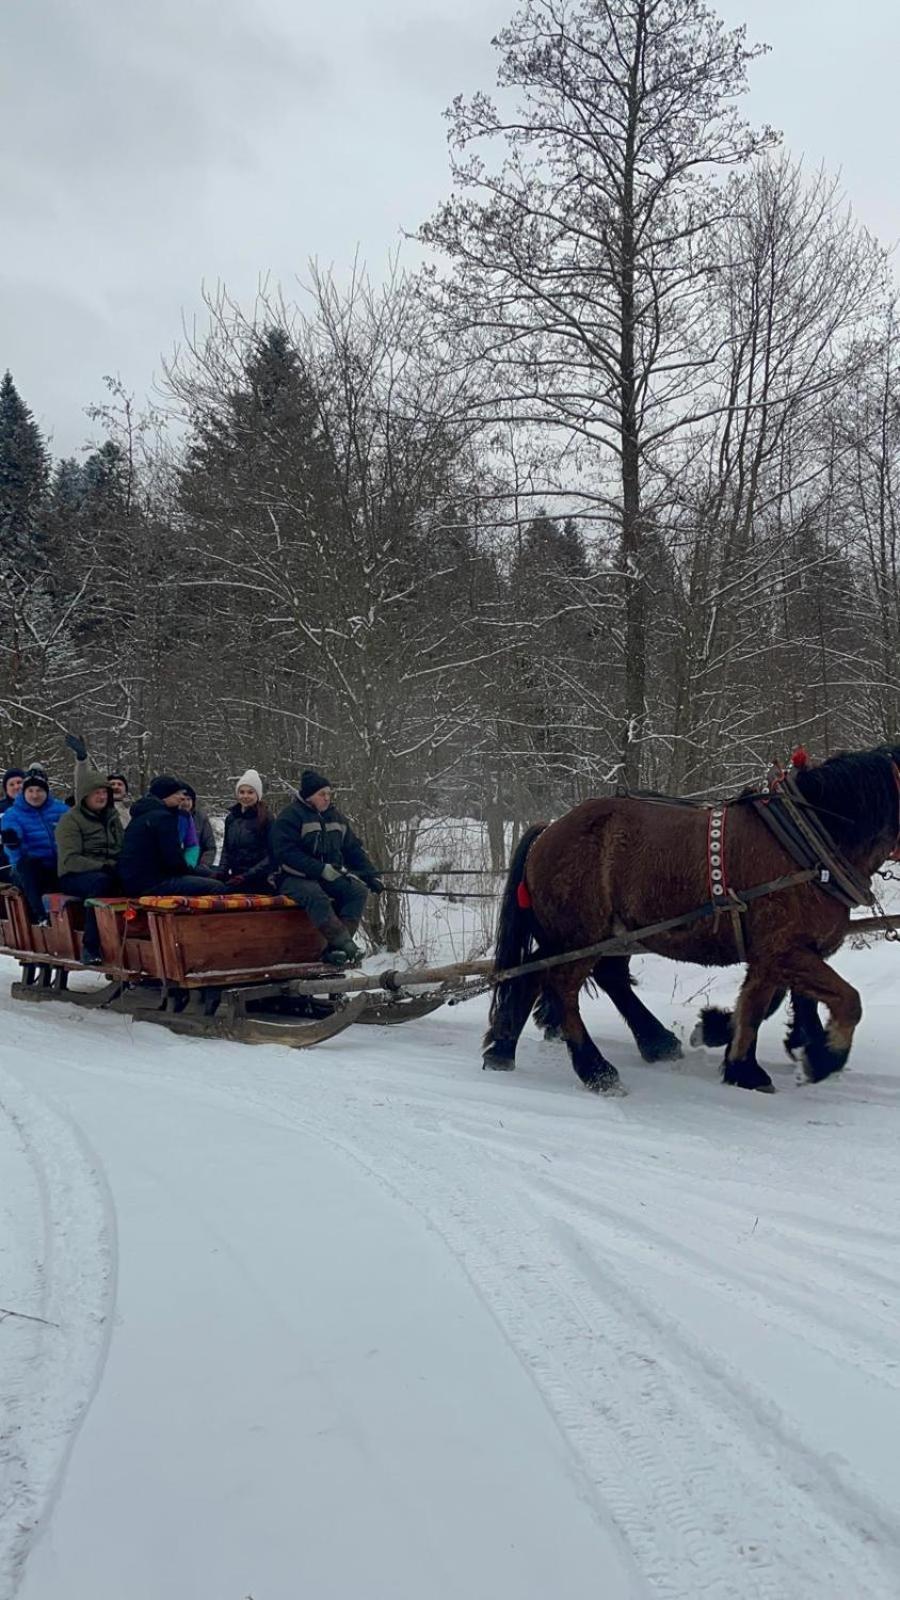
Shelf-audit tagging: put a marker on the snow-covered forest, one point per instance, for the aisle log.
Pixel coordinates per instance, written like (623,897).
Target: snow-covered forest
(604,492)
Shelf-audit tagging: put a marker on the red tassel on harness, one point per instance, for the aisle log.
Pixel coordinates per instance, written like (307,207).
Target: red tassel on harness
(799,757)
(523,897)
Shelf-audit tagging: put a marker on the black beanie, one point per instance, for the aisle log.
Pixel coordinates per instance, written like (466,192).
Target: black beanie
(11,772)
(164,786)
(35,777)
(117,777)
(311,782)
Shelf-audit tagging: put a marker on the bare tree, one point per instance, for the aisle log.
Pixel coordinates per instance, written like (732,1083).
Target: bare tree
(580,258)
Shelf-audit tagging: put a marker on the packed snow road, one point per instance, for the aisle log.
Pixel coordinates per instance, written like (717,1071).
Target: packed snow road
(365,1323)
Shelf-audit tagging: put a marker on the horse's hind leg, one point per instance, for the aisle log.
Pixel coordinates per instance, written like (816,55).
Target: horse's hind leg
(715,1026)
(654,1041)
(512,1001)
(753,1005)
(548,1013)
(595,1072)
(805,1027)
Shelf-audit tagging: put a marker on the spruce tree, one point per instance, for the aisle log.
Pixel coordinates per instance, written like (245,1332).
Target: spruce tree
(24,468)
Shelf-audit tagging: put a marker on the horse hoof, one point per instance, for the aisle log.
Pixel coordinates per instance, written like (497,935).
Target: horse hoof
(747,1075)
(606,1085)
(665,1047)
(826,1065)
(713,1028)
(492,1062)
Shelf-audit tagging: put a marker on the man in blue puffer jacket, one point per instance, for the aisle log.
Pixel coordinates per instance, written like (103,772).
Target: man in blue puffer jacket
(29,839)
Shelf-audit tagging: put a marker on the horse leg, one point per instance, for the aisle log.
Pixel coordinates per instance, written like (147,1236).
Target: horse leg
(805,1026)
(548,1014)
(595,1072)
(510,1006)
(741,1067)
(715,1026)
(823,1051)
(654,1041)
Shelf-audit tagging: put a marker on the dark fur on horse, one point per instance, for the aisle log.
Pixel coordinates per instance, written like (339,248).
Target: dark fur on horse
(628,862)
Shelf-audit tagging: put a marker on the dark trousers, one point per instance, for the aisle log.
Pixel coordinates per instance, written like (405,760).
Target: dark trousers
(345,898)
(250,882)
(35,879)
(188,885)
(90,886)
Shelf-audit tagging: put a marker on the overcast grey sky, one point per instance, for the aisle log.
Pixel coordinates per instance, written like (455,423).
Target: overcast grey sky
(151,145)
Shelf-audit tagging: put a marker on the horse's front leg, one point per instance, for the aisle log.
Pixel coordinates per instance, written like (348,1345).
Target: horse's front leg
(823,1051)
(753,1006)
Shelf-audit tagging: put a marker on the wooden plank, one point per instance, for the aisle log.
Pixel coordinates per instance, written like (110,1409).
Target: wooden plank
(167,954)
(61,934)
(219,941)
(21,922)
(125,945)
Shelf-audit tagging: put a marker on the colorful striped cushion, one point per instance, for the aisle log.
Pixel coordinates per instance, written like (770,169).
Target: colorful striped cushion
(213,902)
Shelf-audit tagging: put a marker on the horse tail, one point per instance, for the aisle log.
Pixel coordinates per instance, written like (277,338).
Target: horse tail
(515,924)
(512,1000)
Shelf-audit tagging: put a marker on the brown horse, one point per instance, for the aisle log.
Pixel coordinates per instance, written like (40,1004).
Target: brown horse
(618,864)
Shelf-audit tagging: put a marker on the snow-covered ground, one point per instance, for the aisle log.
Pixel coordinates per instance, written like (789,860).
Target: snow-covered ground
(365,1323)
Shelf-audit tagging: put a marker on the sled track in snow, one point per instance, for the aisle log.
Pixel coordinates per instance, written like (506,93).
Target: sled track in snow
(62,1271)
(712,1485)
(700,1471)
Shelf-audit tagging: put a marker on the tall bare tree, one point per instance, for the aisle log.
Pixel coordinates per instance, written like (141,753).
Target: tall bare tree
(579,254)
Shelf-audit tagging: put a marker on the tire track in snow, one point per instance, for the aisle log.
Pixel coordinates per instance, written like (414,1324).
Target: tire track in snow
(66,1244)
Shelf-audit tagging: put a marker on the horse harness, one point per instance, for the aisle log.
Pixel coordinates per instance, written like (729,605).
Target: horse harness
(799,831)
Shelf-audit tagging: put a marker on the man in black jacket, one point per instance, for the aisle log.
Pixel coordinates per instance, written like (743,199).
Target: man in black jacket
(323,866)
(152,859)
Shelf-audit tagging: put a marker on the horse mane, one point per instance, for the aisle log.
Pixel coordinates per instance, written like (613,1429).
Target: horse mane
(856,794)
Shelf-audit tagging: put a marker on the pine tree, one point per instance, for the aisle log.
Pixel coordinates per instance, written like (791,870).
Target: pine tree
(24,468)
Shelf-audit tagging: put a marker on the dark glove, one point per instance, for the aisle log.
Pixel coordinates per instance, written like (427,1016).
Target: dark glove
(375,884)
(236,882)
(77,745)
(8,837)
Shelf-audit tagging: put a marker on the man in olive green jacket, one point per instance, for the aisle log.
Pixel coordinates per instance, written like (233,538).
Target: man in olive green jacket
(88,841)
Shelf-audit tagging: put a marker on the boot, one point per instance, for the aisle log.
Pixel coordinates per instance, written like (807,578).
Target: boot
(340,951)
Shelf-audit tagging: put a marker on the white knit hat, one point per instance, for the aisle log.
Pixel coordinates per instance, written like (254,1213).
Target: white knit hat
(253,781)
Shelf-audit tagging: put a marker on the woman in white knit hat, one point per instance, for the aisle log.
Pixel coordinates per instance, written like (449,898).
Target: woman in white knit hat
(247,851)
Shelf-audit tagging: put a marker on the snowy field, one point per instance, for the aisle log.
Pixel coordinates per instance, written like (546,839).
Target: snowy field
(365,1323)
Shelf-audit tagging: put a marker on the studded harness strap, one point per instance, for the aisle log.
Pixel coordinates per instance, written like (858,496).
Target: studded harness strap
(721,894)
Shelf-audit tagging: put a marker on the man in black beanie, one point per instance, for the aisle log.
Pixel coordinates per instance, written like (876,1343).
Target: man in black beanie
(323,866)
(152,859)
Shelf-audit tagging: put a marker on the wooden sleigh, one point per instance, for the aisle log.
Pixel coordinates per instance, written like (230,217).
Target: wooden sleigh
(230,967)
